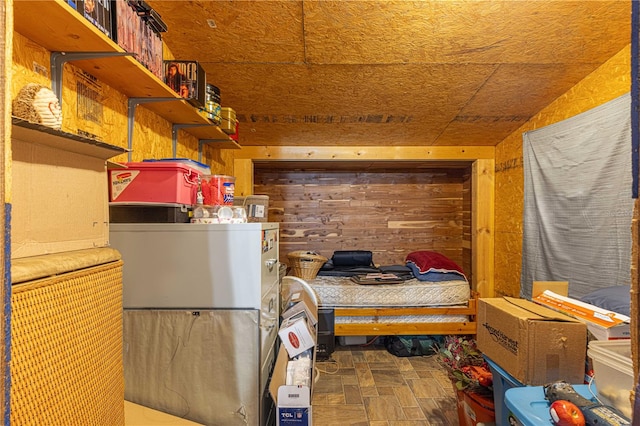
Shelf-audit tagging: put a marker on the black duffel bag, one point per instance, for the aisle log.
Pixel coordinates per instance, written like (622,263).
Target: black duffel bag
(352,258)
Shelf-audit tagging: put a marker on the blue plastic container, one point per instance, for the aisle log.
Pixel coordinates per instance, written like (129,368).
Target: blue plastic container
(502,381)
(530,407)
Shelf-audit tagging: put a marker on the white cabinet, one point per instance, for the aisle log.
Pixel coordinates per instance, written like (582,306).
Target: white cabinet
(201,318)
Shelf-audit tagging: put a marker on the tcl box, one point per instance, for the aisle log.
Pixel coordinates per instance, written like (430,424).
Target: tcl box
(293,402)
(157,182)
(534,344)
(294,406)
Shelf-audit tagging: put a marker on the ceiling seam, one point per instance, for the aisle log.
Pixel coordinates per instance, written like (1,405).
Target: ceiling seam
(468,101)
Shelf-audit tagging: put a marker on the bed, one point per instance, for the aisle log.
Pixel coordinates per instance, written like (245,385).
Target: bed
(409,308)
(432,297)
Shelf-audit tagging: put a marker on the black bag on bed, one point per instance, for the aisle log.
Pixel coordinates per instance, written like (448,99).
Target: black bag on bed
(352,258)
(404,346)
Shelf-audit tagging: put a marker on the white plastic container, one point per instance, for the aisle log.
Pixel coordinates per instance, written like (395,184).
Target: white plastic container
(613,372)
(257,207)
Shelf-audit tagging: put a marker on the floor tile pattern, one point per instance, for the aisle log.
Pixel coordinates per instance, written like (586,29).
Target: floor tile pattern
(368,386)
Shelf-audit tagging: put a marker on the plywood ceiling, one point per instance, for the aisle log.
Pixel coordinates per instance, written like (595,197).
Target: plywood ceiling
(381,73)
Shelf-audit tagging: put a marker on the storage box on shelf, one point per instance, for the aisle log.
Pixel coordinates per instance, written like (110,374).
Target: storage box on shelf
(228,123)
(187,79)
(133,33)
(212,104)
(160,182)
(99,13)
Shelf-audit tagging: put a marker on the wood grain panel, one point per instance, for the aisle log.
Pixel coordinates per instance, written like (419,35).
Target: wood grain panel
(390,212)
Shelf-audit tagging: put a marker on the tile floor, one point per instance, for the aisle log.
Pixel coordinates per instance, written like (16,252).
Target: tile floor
(368,386)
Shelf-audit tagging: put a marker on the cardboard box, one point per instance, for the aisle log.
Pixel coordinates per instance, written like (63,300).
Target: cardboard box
(617,332)
(59,192)
(293,403)
(300,301)
(296,335)
(534,344)
(601,323)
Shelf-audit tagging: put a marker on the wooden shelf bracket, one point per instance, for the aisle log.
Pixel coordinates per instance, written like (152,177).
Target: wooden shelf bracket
(58,59)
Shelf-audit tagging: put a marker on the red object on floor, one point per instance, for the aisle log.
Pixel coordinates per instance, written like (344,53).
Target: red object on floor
(474,408)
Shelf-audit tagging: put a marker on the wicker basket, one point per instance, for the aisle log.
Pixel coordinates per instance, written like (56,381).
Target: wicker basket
(305,264)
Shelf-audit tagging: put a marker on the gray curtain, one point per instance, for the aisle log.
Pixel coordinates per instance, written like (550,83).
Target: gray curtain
(578,202)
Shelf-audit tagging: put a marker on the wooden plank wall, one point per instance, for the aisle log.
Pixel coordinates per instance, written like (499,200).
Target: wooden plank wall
(467,207)
(390,212)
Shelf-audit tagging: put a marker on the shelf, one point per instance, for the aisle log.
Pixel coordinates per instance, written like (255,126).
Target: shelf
(43,135)
(65,30)
(222,143)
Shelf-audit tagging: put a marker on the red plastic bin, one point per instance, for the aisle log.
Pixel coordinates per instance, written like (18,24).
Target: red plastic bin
(154,182)
(474,408)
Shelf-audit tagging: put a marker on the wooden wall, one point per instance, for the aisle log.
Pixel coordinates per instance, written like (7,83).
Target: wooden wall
(467,207)
(611,80)
(390,212)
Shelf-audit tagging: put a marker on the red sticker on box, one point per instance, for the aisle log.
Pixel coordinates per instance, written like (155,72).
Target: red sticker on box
(294,340)
(120,180)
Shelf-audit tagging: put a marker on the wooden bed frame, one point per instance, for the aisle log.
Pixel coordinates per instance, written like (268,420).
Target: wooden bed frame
(389,329)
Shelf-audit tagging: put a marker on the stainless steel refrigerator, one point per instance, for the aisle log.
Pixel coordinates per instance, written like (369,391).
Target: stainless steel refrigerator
(201,318)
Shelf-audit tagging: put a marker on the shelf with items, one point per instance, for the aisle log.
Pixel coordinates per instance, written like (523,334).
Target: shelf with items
(66,33)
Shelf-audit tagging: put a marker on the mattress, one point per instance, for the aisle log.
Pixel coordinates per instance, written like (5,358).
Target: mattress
(400,319)
(341,292)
